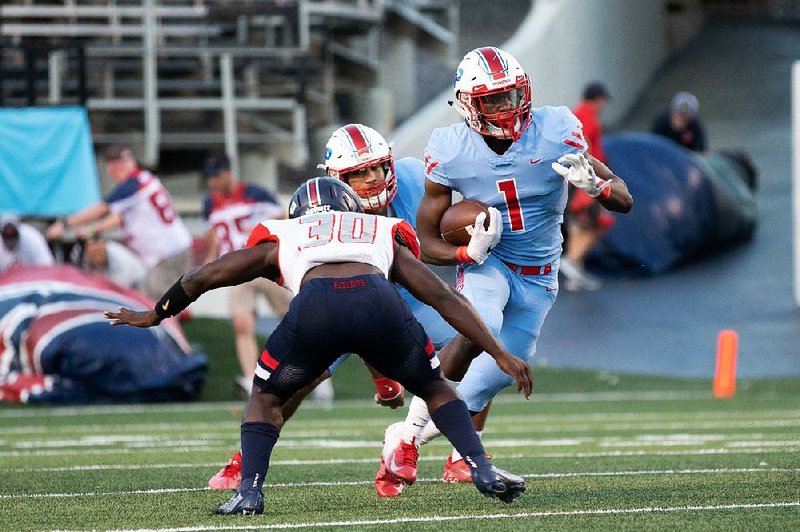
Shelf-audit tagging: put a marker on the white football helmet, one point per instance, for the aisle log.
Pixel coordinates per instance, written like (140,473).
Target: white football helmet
(493,93)
(355,147)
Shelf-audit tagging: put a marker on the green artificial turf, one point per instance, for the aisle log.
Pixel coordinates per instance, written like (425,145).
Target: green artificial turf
(598,451)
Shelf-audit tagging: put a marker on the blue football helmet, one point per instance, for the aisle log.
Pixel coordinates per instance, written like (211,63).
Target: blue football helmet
(323,194)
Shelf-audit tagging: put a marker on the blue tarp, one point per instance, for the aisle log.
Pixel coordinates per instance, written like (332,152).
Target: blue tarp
(47,165)
(52,326)
(684,205)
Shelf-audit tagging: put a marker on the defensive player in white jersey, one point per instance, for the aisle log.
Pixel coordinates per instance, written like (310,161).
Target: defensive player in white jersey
(360,156)
(519,161)
(143,208)
(231,209)
(339,263)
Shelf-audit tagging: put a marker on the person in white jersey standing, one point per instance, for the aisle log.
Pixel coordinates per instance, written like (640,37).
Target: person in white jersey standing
(231,209)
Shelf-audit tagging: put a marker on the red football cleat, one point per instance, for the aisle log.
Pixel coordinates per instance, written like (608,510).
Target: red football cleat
(398,455)
(386,484)
(457,471)
(402,462)
(230,476)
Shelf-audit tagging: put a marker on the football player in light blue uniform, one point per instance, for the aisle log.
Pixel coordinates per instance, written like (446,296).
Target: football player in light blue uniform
(519,161)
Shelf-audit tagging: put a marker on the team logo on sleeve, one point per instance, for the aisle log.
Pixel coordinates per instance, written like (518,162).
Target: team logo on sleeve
(430,164)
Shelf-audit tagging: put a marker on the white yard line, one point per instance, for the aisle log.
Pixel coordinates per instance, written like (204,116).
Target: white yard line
(643,441)
(227,406)
(144,441)
(374,460)
(444,518)
(500,424)
(722,471)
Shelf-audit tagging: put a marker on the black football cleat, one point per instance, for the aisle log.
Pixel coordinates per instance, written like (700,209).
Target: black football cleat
(247,502)
(495,482)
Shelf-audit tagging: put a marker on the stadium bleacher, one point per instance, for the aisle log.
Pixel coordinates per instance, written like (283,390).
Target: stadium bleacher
(262,74)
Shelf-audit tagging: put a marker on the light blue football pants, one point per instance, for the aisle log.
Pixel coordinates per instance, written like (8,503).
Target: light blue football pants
(514,307)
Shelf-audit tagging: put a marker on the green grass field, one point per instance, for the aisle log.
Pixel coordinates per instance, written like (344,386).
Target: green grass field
(598,451)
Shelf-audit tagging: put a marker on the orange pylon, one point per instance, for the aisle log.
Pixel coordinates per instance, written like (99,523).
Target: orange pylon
(725,372)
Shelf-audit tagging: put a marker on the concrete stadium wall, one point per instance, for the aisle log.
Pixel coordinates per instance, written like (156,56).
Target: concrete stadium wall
(563,44)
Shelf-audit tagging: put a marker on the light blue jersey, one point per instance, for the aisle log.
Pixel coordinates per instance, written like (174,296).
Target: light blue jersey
(531,196)
(410,189)
(410,174)
(520,183)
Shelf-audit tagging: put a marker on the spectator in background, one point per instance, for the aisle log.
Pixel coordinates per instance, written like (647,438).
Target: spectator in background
(22,244)
(231,210)
(587,220)
(143,208)
(681,124)
(115,261)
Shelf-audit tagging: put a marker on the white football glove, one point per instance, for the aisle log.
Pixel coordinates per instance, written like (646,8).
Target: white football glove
(482,240)
(580,173)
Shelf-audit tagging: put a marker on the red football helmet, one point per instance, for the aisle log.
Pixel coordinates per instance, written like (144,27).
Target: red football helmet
(353,148)
(493,93)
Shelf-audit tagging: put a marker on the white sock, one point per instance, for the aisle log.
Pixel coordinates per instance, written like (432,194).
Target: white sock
(416,419)
(324,391)
(455,456)
(431,431)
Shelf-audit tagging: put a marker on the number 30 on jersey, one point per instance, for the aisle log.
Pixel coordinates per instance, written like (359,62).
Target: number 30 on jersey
(346,227)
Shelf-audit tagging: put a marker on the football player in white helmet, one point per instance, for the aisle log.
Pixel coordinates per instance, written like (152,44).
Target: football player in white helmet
(358,155)
(509,270)
(493,93)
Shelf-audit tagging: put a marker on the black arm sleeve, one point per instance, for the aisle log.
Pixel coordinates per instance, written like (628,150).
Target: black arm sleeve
(174,301)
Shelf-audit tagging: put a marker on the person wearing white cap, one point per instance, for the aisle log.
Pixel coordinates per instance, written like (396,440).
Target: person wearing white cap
(680,123)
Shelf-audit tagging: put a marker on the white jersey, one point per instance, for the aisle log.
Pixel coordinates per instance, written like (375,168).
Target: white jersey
(330,237)
(232,217)
(152,228)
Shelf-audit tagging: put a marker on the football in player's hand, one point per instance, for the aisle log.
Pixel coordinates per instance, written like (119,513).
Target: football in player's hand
(457,222)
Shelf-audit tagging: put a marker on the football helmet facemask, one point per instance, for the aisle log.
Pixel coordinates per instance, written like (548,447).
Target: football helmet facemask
(323,194)
(355,148)
(493,93)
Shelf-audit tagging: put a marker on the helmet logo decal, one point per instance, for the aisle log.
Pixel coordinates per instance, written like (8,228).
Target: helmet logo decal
(328,153)
(492,62)
(459,73)
(323,194)
(311,190)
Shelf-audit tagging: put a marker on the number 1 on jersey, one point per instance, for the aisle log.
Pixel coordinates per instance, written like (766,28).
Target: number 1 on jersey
(508,188)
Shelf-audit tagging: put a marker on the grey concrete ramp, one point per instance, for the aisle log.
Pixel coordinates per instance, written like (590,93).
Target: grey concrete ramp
(667,325)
